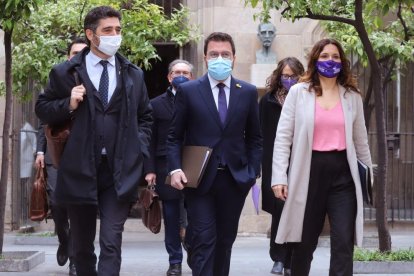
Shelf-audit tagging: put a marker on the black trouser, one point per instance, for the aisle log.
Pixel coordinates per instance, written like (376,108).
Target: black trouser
(171,215)
(59,212)
(213,219)
(331,191)
(113,214)
(279,252)
(61,220)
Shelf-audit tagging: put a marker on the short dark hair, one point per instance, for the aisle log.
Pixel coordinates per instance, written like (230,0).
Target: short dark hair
(94,15)
(76,40)
(219,36)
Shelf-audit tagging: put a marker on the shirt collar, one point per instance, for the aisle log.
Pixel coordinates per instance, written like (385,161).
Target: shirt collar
(95,59)
(171,91)
(213,82)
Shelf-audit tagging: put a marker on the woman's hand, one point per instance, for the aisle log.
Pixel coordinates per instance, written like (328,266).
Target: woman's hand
(280,191)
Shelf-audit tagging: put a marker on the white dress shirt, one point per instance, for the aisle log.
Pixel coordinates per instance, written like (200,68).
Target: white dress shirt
(215,89)
(94,69)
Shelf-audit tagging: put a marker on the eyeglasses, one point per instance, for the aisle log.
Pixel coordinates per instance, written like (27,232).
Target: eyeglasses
(178,73)
(216,55)
(290,77)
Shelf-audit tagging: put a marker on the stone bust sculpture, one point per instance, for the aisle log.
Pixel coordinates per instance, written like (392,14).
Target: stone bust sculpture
(266,32)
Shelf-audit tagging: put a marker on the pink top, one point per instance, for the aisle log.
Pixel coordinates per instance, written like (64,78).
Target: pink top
(329,128)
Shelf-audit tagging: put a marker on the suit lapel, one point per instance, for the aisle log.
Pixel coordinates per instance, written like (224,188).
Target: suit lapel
(166,101)
(347,110)
(207,95)
(235,91)
(118,83)
(90,89)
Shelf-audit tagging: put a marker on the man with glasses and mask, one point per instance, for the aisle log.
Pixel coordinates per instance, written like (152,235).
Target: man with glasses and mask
(220,112)
(104,96)
(179,71)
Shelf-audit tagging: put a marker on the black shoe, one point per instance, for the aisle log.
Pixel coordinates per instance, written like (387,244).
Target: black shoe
(277,268)
(62,254)
(174,270)
(72,269)
(287,272)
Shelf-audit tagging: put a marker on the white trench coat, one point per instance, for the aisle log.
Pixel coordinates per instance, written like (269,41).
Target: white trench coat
(294,139)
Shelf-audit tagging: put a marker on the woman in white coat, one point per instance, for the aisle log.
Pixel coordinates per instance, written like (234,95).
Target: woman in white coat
(320,136)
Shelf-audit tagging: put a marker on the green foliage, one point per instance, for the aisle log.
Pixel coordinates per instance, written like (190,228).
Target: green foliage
(41,40)
(374,255)
(385,30)
(11,11)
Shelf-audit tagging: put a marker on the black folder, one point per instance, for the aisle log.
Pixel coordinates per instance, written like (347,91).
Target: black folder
(194,160)
(365,177)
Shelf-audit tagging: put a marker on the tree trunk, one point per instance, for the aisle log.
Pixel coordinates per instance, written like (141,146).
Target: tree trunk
(381,178)
(368,107)
(6,133)
(382,154)
(382,175)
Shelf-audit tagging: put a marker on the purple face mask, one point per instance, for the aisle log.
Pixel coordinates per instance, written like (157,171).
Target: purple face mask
(329,68)
(288,83)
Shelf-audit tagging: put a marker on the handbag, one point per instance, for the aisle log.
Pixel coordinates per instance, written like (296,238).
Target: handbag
(57,135)
(151,209)
(38,198)
(56,138)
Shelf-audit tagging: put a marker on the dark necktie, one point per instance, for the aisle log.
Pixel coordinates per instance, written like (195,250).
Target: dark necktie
(222,102)
(171,96)
(104,83)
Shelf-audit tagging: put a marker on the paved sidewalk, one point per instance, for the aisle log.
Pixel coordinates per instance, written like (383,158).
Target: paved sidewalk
(144,255)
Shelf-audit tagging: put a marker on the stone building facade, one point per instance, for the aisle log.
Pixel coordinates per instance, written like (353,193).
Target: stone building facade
(231,16)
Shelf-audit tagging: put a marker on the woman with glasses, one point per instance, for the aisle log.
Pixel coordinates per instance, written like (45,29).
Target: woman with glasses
(320,136)
(278,84)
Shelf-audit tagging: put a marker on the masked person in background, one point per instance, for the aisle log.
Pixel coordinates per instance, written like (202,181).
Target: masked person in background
(103,157)
(285,75)
(179,71)
(220,112)
(320,136)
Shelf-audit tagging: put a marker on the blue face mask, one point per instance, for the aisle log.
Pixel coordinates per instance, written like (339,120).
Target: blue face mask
(179,80)
(219,68)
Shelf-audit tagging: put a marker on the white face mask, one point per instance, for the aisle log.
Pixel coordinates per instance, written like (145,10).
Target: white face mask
(110,44)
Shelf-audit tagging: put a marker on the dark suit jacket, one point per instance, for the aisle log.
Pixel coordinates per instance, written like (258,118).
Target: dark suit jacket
(196,122)
(42,143)
(77,179)
(163,110)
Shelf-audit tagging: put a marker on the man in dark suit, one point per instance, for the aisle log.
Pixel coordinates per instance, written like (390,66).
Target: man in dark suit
(111,126)
(179,71)
(59,213)
(220,112)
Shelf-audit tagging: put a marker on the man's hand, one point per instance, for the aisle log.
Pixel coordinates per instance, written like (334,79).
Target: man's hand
(76,96)
(178,180)
(40,161)
(151,178)
(280,191)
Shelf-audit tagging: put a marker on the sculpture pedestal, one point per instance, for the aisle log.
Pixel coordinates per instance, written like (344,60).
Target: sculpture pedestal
(259,74)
